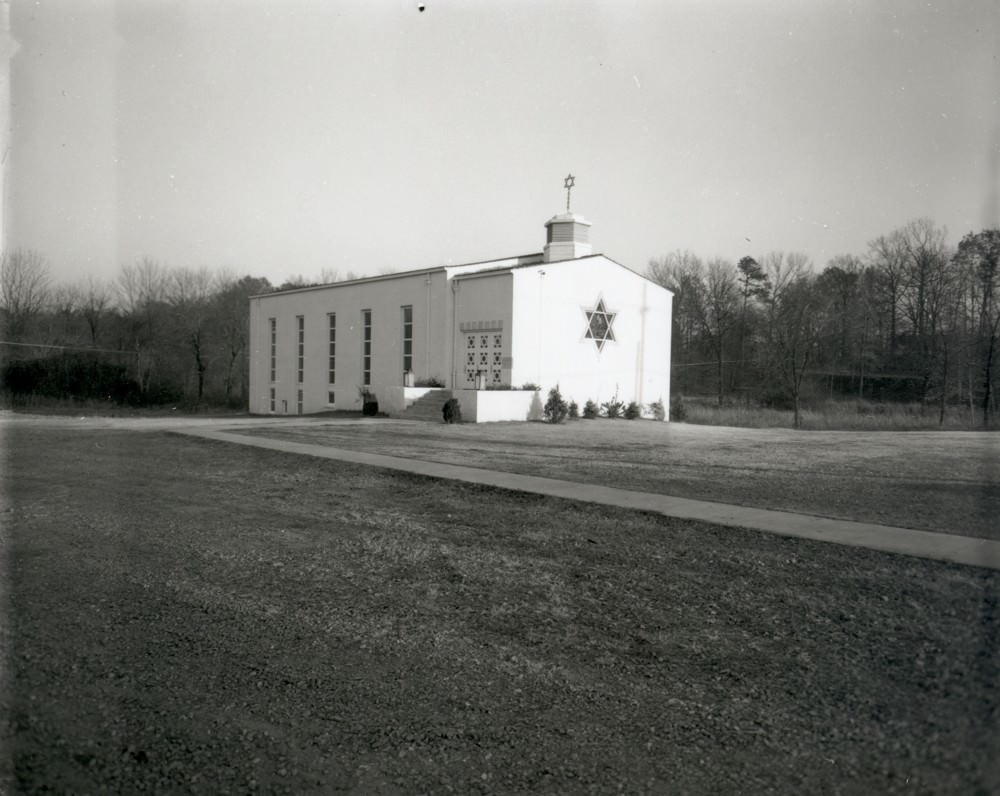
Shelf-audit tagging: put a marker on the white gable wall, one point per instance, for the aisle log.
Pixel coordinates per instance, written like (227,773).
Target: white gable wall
(549,344)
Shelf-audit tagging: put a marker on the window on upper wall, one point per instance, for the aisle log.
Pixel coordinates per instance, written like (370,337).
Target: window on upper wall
(274,348)
(332,352)
(301,366)
(366,350)
(407,338)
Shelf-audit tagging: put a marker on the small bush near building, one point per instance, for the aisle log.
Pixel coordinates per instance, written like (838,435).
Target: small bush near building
(591,410)
(452,411)
(433,381)
(658,411)
(613,408)
(529,387)
(574,411)
(369,402)
(555,409)
(633,411)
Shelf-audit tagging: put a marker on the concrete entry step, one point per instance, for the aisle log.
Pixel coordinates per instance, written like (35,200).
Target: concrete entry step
(427,407)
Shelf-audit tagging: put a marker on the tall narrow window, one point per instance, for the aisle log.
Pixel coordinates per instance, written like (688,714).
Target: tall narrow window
(272,399)
(332,352)
(366,367)
(274,348)
(299,403)
(302,348)
(407,338)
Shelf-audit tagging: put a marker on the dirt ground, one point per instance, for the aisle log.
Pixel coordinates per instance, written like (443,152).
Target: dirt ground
(190,616)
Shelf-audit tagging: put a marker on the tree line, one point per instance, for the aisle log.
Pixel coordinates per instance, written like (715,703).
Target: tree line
(151,335)
(154,334)
(912,319)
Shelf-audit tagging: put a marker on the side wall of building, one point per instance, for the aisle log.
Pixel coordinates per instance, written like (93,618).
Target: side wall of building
(426,295)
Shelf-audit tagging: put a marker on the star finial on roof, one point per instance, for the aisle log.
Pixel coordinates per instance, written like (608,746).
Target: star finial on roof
(568,184)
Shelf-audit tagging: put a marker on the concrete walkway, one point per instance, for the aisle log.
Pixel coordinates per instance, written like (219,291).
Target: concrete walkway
(924,544)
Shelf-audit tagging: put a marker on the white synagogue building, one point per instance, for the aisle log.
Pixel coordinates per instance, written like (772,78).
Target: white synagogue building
(563,316)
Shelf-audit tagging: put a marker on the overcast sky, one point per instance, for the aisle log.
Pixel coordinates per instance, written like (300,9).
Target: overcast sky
(289,136)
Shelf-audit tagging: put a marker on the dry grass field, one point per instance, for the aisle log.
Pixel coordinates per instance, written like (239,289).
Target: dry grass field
(190,616)
(946,481)
(840,414)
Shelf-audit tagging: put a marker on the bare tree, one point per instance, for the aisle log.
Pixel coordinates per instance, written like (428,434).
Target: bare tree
(141,292)
(847,284)
(61,315)
(928,284)
(980,252)
(231,310)
(94,301)
(188,291)
(720,313)
(24,290)
(681,272)
(794,334)
(887,253)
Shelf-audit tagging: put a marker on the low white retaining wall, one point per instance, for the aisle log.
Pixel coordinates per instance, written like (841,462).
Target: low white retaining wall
(491,406)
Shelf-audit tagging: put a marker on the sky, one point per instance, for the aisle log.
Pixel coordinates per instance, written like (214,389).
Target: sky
(292,137)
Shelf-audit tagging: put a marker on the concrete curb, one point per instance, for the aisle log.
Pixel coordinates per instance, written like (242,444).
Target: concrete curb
(905,541)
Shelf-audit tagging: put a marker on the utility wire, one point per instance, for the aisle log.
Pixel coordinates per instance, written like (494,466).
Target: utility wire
(67,347)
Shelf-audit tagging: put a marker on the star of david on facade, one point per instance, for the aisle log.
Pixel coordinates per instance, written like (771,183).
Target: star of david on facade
(568,184)
(599,324)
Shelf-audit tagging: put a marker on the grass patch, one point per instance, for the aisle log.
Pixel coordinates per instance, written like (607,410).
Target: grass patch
(835,416)
(941,481)
(69,407)
(188,615)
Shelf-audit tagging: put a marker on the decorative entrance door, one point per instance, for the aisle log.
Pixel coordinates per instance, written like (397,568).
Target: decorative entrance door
(483,355)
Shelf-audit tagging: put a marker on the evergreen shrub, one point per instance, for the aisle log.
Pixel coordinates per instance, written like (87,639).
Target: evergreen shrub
(613,409)
(555,409)
(591,410)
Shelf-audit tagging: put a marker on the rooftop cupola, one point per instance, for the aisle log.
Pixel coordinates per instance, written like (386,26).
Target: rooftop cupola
(568,234)
(568,237)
